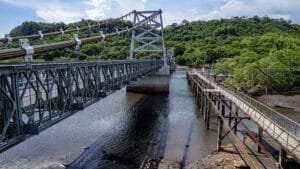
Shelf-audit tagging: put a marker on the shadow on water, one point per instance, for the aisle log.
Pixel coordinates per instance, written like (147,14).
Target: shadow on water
(157,127)
(127,146)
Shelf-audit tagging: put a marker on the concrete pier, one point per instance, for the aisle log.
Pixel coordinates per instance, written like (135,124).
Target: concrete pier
(155,83)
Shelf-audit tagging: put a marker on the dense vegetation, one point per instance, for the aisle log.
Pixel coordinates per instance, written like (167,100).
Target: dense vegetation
(116,48)
(257,52)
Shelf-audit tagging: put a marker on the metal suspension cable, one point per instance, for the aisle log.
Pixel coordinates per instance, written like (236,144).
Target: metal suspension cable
(35,36)
(16,52)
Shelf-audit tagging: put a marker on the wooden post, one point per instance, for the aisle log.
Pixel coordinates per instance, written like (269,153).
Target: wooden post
(220,129)
(282,158)
(196,94)
(236,120)
(201,104)
(207,116)
(259,138)
(230,115)
(205,107)
(193,88)
(214,96)
(219,101)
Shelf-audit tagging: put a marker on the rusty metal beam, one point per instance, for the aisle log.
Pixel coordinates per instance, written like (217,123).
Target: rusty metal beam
(241,148)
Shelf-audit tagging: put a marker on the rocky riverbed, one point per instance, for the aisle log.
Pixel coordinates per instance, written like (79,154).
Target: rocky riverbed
(227,159)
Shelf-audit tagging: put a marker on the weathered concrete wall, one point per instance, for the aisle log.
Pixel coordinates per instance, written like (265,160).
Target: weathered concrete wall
(155,83)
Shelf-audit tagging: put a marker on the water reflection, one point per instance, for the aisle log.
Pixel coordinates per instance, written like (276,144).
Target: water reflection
(158,127)
(127,143)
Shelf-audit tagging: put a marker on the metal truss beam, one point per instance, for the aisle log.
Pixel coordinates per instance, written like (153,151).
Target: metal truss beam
(34,97)
(150,36)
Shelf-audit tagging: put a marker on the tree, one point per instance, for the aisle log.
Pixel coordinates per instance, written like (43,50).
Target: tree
(179,50)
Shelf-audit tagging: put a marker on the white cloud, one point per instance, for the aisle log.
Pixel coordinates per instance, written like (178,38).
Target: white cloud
(54,10)
(287,9)
(58,14)
(74,10)
(99,8)
(113,8)
(275,8)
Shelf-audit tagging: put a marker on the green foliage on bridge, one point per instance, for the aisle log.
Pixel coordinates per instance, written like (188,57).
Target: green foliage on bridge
(257,52)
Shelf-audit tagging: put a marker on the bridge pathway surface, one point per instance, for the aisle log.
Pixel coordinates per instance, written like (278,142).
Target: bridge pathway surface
(283,130)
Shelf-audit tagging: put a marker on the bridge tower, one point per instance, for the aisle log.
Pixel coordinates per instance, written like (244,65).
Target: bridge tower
(150,36)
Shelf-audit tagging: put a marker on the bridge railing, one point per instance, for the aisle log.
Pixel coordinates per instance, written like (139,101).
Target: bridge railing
(281,128)
(26,49)
(35,96)
(282,120)
(285,122)
(62,32)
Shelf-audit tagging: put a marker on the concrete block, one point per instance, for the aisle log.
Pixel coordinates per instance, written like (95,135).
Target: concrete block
(158,82)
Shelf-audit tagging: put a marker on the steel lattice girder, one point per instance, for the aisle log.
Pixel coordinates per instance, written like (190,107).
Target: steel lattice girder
(36,96)
(150,36)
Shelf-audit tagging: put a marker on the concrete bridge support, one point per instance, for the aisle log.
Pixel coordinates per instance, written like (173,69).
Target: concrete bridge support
(157,82)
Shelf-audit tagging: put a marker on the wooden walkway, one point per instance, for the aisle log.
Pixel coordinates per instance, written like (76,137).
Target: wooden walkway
(283,130)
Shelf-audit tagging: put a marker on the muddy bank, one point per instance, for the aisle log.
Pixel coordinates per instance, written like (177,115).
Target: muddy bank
(292,101)
(227,159)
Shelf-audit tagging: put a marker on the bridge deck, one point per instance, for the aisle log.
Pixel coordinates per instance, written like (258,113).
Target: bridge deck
(282,129)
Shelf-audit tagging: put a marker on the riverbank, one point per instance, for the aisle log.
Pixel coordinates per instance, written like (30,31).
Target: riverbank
(284,101)
(226,159)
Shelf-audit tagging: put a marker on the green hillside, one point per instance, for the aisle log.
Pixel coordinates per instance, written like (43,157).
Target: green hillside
(257,52)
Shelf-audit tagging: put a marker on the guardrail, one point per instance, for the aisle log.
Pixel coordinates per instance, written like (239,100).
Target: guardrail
(35,96)
(280,119)
(62,32)
(17,52)
(282,129)
(284,121)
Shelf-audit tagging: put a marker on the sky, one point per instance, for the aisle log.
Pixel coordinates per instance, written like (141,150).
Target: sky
(14,12)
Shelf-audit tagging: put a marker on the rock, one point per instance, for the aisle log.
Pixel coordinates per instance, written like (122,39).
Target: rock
(54,166)
(239,164)
(228,167)
(220,161)
(228,159)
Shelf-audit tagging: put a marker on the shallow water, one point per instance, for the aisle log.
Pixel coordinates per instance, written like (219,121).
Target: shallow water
(157,127)
(123,130)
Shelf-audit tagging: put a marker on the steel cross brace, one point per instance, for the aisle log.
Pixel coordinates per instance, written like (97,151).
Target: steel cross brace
(56,91)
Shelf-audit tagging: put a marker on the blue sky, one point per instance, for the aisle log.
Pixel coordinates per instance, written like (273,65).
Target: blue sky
(14,12)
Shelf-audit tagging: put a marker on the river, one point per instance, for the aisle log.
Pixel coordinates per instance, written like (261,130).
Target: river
(124,130)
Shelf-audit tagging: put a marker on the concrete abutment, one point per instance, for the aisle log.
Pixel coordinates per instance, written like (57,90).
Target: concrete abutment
(157,82)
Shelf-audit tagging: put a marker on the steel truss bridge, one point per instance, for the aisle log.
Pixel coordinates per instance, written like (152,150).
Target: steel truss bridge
(34,96)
